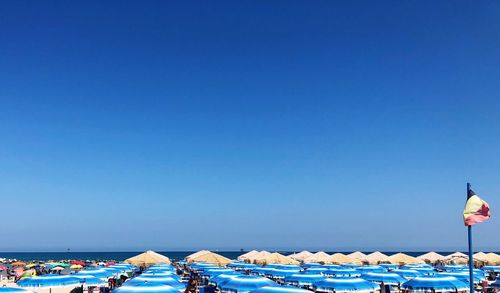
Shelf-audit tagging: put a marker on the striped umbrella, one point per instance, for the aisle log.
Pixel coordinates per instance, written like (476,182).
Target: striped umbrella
(302,280)
(288,267)
(342,273)
(451,268)
(436,284)
(48,281)
(350,266)
(494,269)
(372,269)
(388,266)
(315,270)
(13,290)
(261,271)
(280,289)
(161,280)
(98,273)
(223,277)
(89,280)
(408,274)
(160,274)
(145,288)
(242,266)
(386,278)
(216,272)
(464,276)
(244,284)
(280,274)
(345,285)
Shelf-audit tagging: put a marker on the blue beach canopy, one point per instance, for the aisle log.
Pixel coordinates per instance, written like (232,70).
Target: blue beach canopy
(89,280)
(373,269)
(464,276)
(146,288)
(98,273)
(280,289)
(496,284)
(242,266)
(216,272)
(49,281)
(244,284)
(386,278)
(311,265)
(288,267)
(494,269)
(173,282)
(388,266)
(261,271)
(408,274)
(342,273)
(451,268)
(223,277)
(350,266)
(345,285)
(304,279)
(279,273)
(315,270)
(435,283)
(13,290)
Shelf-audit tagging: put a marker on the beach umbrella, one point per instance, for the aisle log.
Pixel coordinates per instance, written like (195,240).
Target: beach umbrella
(14,290)
(3,268)
(89,280)
(311,265)
(493,269)
(261,271)
(452,268)
(147,259)
(388,266)
(280,273)
(345,285)
(247,256)
(408,274)
(280,289)
(457,258)
(18,264)
(435,284)
(145,288)
(464,276)
(275,258)
(318,257)
(241,266)
(301,256)
(210,258)
(358,255)
(303,279)
(372,269)
(342,273)
(77,262)
(496,284)
(315,270)
(49,281)
(161,280)
(402,259)
(386,278)
(98,273)
(350,266)
(216,272)
(339,258)
(57,269)
(431,257)
(244,284)
(376,258)
(223,277)
(493,258)
(196,254)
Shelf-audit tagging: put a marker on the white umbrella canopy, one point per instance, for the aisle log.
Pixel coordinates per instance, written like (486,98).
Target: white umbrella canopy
(357,255)
(301,256)
(457,258)
(403,259)
(196,254)
(339,258)
(318,257)
(376,258)
(247,256)
(148,258)
(431,257)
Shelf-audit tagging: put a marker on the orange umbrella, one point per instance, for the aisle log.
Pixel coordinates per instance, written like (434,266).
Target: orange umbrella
(18,264)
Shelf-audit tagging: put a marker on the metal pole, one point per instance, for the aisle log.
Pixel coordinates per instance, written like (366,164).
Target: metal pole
(471,259)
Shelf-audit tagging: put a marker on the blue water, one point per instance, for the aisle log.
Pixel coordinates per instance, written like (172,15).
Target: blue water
(118,256)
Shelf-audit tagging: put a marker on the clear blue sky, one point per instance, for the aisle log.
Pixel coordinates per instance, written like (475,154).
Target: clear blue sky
(333,125)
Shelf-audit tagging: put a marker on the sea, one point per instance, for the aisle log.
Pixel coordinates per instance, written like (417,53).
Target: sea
(122,255)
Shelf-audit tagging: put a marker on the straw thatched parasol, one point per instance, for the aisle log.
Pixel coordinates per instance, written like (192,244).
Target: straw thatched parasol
(196,254)
(318,257)
(256,256)
(480,256)
(357,255)
(431,257)
(457,258)
(211,258)
(275,258)
(376,258)
(248,255)
(339,258)
(403,259)
(147,258)
(301,255)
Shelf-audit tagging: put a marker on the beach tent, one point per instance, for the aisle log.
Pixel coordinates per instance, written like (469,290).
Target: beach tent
(318,257)
(339,258)
(357,255)
(376,258)
(275,258)
(210,258)
(247,255)
(403,259)
(431,257)
(301,256)
(196,254)
(147,259)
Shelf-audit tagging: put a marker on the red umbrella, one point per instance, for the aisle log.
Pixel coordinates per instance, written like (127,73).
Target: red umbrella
(77,262)
(3,268)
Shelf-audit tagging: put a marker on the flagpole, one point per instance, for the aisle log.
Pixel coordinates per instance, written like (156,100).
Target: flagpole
(471,259)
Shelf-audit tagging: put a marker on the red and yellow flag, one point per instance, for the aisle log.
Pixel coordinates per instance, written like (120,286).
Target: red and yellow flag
(476,210)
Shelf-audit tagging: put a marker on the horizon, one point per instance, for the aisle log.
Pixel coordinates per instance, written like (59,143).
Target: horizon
(190,125)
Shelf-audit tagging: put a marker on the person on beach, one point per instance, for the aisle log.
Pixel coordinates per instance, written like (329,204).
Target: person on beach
(192,286)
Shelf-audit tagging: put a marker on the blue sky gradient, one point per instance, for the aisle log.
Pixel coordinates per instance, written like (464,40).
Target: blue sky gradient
(334,125)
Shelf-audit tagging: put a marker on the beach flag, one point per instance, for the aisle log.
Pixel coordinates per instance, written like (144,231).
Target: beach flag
(476,210)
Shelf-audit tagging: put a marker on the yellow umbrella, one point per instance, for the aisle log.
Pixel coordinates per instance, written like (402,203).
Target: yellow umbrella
(76,267)
(148,258)
(339,258)
(212,258)
(403,259)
